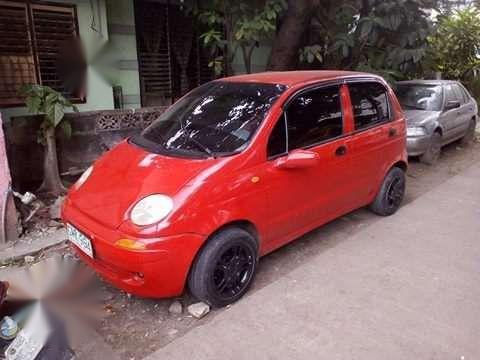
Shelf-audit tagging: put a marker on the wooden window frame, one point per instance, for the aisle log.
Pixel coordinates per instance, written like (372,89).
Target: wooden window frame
(30,6)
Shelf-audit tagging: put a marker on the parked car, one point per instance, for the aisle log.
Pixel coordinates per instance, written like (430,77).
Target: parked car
(232,171)
(438,112)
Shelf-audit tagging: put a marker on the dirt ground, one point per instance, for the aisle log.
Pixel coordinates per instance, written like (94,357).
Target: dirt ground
(136,327)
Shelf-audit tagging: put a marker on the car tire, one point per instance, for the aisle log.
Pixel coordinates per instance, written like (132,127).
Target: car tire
(390,196)
(225,267)
(470,134)
(430,157)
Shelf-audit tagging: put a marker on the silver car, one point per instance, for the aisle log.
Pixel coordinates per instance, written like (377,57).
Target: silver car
(438,112)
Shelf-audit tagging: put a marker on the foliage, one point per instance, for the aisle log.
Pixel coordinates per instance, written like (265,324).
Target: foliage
(473,86)
(382,35)
(312,53)
(233,25)
(454,48)
(44,100)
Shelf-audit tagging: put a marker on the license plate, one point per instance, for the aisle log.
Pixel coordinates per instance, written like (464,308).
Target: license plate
(82,242)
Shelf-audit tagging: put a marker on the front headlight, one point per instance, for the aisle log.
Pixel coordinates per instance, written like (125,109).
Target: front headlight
(151,209)
(81,180)
(416,131)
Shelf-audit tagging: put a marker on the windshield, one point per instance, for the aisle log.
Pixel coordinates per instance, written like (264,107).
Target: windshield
(420,97)
(216,118)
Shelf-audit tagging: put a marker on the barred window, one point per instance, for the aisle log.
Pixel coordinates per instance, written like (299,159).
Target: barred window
(39,44)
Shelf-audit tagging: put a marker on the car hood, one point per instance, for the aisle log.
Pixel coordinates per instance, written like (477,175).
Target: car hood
(420,117)
(127,174)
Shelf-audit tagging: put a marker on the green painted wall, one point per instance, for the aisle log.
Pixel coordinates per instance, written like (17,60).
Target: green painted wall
(122,51)
(111,55)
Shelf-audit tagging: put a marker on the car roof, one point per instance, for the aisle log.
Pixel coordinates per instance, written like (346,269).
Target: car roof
(427,82)
(292,78)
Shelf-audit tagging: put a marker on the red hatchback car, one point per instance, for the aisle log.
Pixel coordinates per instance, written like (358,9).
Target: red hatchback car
(232,171)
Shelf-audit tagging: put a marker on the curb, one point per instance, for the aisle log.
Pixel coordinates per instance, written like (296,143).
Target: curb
(17,253)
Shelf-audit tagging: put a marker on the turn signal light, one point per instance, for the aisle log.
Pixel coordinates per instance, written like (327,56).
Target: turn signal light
(129,244)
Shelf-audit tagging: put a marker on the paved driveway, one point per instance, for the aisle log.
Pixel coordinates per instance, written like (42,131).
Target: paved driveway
(404,287)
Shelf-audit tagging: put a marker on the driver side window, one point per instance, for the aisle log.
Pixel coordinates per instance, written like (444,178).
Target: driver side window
(312,117)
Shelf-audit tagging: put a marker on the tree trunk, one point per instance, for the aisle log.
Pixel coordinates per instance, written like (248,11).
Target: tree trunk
(229,53)
(247,57)
(52,183)
(353,60)
(287,43)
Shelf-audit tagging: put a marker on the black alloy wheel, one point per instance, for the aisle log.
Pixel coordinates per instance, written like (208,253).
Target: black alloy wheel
(225,267)
(391,193)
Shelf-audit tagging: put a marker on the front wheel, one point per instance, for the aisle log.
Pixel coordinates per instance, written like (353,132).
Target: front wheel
(390,196)
(430,157)
(225,267)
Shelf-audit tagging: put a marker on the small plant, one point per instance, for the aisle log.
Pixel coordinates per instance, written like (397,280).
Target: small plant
(43,100)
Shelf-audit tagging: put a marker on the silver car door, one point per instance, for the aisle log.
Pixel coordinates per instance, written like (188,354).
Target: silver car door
(463,119)
(448,116)
(470,107)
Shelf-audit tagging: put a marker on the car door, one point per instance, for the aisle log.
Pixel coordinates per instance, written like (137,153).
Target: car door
(376,140)
(465,111)
(304,195)
(450,118)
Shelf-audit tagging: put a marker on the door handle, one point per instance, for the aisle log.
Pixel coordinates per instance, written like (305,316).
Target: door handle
(392,132)
(341,150)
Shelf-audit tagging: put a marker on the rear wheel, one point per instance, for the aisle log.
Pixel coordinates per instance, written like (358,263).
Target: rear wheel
(224,268)
(470,134)
(390,196)
(432,154)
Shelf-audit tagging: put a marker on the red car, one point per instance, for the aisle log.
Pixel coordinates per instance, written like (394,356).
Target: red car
(232,171)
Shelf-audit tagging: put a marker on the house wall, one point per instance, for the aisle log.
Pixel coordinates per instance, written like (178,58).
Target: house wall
(100,45)
(107,30)
(122,50)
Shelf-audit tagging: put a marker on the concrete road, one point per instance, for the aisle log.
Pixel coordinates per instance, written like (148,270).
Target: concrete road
(404,287)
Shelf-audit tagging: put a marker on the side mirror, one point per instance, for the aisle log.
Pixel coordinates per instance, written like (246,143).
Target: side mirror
(298,159)
(452,104)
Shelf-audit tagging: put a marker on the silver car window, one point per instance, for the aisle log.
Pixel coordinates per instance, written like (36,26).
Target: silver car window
(458,94)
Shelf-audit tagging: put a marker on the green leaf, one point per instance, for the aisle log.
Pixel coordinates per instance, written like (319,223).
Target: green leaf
(67,128)
(51,99)
(54,114)
(310,57)
(366,29)
(33,104)
(58,114)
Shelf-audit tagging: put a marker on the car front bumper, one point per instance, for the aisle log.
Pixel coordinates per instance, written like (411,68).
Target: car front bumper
(418,145)
(159,271)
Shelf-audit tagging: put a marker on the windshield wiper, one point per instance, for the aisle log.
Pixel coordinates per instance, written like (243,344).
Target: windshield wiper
(199,145)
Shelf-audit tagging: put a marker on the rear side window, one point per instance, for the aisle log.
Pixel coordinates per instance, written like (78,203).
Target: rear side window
(314,117)
(459,94)
(370,104)
(465,93)
(450,94)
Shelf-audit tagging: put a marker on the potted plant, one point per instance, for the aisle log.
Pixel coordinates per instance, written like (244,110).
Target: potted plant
(43,100)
